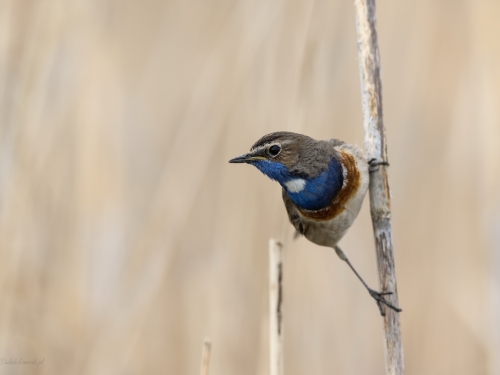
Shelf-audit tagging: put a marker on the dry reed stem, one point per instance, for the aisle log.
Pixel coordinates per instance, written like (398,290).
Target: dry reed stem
(276,306)
(376,148)
(205,356)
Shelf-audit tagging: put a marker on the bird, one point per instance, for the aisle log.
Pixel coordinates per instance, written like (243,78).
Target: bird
(323,186)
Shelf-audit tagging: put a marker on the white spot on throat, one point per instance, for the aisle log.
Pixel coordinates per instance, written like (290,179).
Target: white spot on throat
(295,186)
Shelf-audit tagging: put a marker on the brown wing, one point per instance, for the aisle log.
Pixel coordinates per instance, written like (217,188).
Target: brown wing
(294,216)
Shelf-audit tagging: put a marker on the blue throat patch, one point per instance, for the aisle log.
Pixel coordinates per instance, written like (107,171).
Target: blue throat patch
(318,191)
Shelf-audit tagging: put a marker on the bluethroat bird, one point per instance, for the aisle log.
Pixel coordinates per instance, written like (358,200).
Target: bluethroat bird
(324,183)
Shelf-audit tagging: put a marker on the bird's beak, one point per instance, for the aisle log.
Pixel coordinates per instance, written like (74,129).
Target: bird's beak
(246,158)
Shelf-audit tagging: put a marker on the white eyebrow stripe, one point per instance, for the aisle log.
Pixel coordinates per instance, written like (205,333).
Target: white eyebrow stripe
(295,186)
(268,144)
(258,148)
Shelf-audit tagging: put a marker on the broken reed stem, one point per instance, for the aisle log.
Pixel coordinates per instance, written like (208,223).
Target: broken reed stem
(276,306)
(205,356)
(376,148)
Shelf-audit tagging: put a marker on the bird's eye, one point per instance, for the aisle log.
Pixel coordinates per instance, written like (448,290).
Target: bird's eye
(274,150)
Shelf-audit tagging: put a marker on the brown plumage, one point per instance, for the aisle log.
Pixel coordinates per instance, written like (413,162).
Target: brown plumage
(351,186)
(324,184)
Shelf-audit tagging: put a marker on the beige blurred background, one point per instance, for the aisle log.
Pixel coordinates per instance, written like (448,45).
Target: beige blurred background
(126,237)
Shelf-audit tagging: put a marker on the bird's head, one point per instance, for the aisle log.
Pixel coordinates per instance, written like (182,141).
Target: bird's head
(278,155)
(307,169)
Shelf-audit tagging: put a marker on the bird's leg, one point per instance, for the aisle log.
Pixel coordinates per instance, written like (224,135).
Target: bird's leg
(374,163)
(378,296)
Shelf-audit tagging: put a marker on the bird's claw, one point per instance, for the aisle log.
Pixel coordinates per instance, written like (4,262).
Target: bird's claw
(379,298)
(374,163)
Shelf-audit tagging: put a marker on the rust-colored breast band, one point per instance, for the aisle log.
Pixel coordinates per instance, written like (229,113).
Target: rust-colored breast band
(351,185)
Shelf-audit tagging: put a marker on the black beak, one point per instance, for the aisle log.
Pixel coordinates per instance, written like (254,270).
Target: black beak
(245,158)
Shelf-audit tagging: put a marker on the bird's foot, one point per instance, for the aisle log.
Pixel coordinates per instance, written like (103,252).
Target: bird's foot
(379,298)
(374,164)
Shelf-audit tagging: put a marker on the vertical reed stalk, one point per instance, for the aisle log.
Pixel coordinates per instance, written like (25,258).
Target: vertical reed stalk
(205,356)
(276,306)
(376,148)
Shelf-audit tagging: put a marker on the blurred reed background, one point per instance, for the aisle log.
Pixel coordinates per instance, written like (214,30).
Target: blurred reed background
(126,237)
